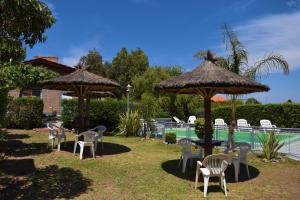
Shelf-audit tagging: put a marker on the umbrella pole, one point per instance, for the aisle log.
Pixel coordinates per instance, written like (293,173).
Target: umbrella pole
(81,114)
(87,111)
(207,126)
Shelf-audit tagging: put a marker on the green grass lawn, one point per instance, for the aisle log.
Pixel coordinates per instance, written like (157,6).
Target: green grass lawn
(239,136)
(127,168)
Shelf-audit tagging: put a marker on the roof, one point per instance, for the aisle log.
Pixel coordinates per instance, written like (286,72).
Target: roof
(211,78)
(218,98)
(96,94)
(54,66)
(81,78)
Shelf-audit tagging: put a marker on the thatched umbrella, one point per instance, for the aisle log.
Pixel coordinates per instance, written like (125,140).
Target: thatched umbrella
(207,80)
(81,82)
(91,94)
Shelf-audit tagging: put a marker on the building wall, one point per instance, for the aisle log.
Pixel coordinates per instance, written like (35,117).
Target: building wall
(52,100)
(14,93)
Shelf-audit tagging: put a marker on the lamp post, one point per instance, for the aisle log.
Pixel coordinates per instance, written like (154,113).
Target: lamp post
(128,90)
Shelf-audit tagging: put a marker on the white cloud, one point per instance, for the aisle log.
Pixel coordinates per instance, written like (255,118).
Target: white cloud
(275,33)
(75,52)
(291,3)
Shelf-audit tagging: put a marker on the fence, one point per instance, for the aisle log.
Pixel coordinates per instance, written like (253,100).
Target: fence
(289,136)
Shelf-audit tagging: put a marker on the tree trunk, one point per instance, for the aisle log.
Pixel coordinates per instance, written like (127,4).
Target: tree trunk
(87,112)
(81,113)
(232,124)
(207,126)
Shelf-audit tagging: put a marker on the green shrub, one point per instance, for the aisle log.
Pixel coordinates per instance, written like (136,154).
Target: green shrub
(170,138)
(129,124)
(24,113)
(199,128)
(282,115)
(3,106)
(100,112)
(270,145)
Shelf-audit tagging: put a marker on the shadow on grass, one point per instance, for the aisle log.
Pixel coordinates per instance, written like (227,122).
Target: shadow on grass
(17,148)
(108,148)
(11,136)
(50,182)
(171,167)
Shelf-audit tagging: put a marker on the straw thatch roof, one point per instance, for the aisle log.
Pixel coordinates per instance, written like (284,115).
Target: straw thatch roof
(81,77)
(95,94)
(210,75)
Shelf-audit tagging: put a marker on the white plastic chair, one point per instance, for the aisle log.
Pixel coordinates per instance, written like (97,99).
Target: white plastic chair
(192,119)
(90,137)
(178,121)
(266,125)
(100,130)
(213,166)
(220,124)
(243,125)
(54,134)
(186,153)
(241,159)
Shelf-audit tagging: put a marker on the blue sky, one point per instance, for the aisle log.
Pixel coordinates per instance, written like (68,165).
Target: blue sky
(171,31)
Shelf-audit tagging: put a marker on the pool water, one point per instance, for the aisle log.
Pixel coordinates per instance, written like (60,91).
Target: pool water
(239,136)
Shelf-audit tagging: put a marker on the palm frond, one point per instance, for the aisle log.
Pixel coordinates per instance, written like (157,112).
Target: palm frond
(200,55)
(270,62)
(238,54)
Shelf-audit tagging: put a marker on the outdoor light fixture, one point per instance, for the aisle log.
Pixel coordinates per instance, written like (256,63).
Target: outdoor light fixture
(128,90)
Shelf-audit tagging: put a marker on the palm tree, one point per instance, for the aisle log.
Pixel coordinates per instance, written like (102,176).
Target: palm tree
(237,62)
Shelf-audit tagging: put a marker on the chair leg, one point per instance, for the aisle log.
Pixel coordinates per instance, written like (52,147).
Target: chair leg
(81,151)
(236,170)
(58,144)
(224,185)
(184,164)
(53,143)
(197,176)
(75,146)
(180,159)
(93,149)
(247,168)
(206,180)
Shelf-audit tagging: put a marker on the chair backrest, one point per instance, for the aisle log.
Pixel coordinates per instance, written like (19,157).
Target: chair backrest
(177,119)
(265,123)
(242,123)
(89,136)
(192,119)
(243,152)
(100,129)
(217,163)
(186,145)
(219,122)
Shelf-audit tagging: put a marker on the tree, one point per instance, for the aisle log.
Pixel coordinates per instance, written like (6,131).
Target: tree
(93,60)
(237,62)
(22,22)
(152,76)
(23,76)
(252,101)
(125,66)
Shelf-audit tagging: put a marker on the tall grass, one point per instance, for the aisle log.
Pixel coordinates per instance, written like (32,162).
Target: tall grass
(270,145)
(129,124)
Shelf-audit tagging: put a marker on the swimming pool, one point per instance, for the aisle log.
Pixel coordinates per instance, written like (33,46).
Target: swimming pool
(239,136)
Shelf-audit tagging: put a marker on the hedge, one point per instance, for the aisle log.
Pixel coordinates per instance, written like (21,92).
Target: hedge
(24,113)
(3,106)
(282,115)
(100,113)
